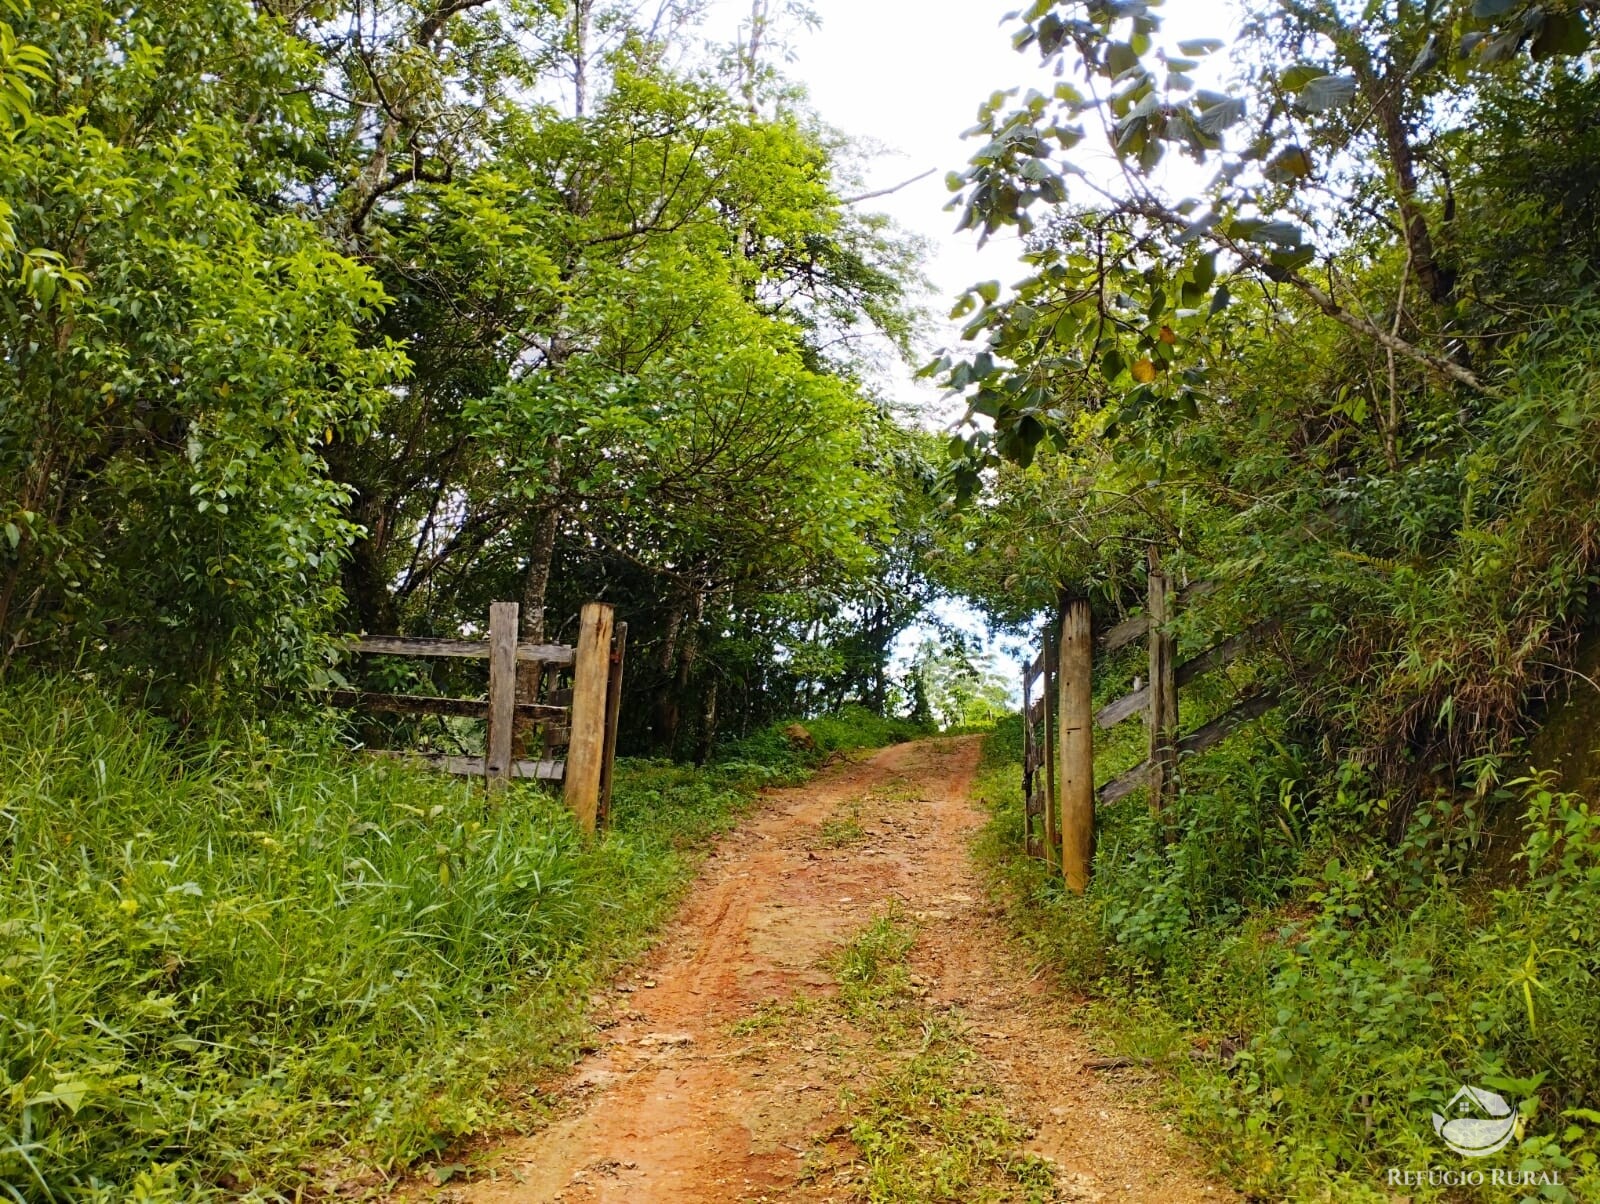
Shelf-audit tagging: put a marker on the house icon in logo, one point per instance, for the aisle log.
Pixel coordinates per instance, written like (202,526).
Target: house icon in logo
(1476,1123)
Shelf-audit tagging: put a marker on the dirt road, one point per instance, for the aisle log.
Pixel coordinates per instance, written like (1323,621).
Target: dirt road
(732,1072)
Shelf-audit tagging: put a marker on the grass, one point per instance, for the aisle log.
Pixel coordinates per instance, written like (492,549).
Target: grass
(1310,996)
(841,831)
(247,971)
(928,1127)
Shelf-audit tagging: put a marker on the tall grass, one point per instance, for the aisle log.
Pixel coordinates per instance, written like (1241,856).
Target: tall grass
(236,972)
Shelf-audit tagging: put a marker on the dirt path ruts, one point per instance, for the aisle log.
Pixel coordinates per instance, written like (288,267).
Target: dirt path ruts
(683,1104)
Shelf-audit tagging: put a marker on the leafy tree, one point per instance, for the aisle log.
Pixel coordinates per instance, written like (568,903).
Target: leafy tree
(1324,380)
(321,320)
(957,688)
(634,329)
(176,360)
(1318,151)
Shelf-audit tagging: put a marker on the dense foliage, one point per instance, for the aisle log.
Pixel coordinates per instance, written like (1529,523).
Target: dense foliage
(1347,372)
(1311,994)
(1383,437)
(358,317)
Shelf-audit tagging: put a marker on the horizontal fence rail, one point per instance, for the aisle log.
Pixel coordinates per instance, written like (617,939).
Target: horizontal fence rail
(386,645)
(1059,720)
(579,711)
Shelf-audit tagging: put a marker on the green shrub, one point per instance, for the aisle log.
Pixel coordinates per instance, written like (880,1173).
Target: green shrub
(1309,1031)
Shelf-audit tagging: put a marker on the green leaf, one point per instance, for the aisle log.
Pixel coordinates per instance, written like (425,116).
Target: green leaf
(1501,47)
(1293,260)
(1290,164)
(1223,115)
(1284,234)
(69,1094)
(1201,46)
(1328,92)
(13,534)
(1487,9)
(1121,59)
(1298,76)
(1427,58)
(1112,365)
(1561,34)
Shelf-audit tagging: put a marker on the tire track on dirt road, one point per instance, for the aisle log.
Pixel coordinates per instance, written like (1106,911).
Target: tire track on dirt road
(704,1093)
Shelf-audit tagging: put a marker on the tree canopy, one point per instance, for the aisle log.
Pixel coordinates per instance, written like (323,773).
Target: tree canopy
(356,317)
(1344,371)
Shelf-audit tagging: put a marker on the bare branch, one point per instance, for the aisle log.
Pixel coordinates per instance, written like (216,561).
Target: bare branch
(883,192)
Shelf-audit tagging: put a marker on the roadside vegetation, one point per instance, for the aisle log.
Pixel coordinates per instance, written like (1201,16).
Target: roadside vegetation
(1324,342)
(245,969)
(1310,994)
(929,1127)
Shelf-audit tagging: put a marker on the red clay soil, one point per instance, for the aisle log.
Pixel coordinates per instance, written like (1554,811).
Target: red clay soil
(684,1103)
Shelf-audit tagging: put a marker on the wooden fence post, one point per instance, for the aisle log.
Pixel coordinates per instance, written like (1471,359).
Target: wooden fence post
(1163,716)
(586,747)
(1052,802)
(619,654)
(1030,757)
(502,693)
(1075,718)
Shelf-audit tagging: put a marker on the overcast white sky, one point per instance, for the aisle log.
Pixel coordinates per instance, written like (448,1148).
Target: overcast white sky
(907,76)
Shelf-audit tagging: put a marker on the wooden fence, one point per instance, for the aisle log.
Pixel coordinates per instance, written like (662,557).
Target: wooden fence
(1058,726)
(551,696)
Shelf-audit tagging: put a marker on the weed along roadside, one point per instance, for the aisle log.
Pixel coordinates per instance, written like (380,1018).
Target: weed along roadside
(265,969)
(1324,1041)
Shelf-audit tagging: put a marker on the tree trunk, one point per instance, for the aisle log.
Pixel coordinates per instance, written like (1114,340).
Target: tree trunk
(665,725)
(688,658)
(1384,94)
(880,668)
(708,723)
(582,15)
(534,625)
(365,582)
(542,552)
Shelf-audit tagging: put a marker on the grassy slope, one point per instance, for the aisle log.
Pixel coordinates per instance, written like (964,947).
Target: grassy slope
(220,970)
(1308,1002)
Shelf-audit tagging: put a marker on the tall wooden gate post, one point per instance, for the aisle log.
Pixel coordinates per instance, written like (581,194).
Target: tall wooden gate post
(619,656)
(586,750)
(1075,719)
(1163,715)
(497,758)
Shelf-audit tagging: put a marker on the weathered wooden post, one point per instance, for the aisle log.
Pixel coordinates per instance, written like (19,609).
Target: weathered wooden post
(586,748)
(1075,718)
(619,655)
(1163,715)
(497,759)
(1030,761)
(1052,802)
